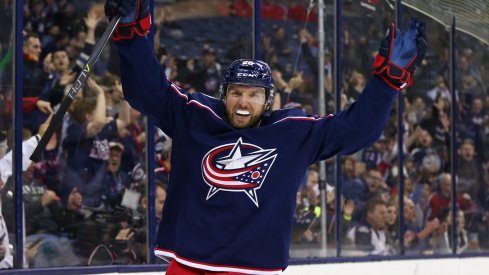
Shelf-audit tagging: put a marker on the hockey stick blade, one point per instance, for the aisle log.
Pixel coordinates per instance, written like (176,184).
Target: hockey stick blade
(77,84)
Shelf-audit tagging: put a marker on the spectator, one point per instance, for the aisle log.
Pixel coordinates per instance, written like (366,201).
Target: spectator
(204,75)
(369,237)
(115,181)
(470,171)
(6,257)
(360,190)
(280,43)
(392,223)
(349,173)
(46,219)
(374,155)
(34,79)
(427,156)
(87,145)
(442,196)
(416,237)
(133,137)
(439,91)
(310,191)
(141,233)
(442,241)
(356,83)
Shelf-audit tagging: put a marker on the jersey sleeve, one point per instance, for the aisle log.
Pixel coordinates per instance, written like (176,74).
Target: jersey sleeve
(355,128)
(145,85)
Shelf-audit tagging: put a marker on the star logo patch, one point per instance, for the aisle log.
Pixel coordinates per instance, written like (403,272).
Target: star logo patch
(237,167)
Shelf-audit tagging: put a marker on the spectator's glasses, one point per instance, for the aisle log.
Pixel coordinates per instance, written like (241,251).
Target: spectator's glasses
(375,178)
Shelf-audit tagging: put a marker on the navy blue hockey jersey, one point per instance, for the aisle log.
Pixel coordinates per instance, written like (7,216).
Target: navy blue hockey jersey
(232,193)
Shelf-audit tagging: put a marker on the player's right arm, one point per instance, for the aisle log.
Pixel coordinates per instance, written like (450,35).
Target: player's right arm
(144,83)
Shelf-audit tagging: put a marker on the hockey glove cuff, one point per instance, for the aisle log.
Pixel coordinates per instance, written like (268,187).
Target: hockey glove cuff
(136,18)
(399,54)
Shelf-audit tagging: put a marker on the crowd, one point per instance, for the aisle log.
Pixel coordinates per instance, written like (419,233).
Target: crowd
(85,202)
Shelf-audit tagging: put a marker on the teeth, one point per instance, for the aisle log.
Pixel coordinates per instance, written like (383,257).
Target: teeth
(242,112)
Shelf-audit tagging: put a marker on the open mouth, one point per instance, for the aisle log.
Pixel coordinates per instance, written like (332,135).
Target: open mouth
(242,113)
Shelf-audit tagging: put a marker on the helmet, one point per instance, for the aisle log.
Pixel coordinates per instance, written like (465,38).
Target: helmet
(248,72)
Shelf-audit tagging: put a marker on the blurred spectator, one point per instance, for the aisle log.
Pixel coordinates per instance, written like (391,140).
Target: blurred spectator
(374,155)
(115,180)
(204,75)
(6,257)
(439,91)
(133,137)
(416,237)
(141,233)
(284,89)
(87,145)
(369,237)
(280,42)
(46,219)
(6,170)
(356,84)
(360,190)
(34,79)
(470,171)
(348,166)
(441,197)
(429,158)
(479,229)
(310,190)
(392,221)
(442,241)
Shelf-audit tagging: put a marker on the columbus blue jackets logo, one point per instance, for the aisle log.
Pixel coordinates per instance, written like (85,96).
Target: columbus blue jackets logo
(237,167)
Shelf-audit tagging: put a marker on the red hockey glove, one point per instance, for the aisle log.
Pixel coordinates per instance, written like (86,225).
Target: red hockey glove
(136,18)
(399,54)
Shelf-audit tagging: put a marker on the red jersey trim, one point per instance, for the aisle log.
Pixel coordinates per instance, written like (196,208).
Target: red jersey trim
(167,255)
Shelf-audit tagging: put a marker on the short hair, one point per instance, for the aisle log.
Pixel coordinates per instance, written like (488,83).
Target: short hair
(29,36)
(85,106)
(373,202)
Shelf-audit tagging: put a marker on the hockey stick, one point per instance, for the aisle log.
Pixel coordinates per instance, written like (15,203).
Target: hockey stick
(79,82)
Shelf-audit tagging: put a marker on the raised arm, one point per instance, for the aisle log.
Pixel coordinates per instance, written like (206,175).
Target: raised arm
(360,125)
(97,124)
(144,83)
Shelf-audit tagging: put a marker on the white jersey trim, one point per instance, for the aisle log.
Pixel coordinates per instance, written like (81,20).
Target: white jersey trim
(168,255)
(193,101)
(303,118)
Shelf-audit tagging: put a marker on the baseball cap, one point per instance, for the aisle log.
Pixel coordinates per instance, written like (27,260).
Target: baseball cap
(116,144)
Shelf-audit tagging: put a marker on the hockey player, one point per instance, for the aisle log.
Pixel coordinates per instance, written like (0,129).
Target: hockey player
(236,171)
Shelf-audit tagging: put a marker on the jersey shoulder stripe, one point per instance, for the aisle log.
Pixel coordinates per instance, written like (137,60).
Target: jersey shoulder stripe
(199,104)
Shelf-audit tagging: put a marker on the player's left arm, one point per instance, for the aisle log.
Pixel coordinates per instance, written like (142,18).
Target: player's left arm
(362,123)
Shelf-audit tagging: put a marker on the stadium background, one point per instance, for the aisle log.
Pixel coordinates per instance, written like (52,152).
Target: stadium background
(189,34)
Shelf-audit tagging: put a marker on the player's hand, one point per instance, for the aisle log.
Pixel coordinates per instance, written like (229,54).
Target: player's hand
(135,17)
(399,54)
